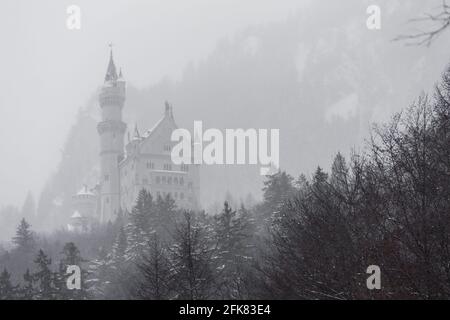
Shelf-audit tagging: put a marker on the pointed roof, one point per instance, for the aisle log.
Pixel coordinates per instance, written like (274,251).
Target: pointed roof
(136,134)
(111,72)
(76,215)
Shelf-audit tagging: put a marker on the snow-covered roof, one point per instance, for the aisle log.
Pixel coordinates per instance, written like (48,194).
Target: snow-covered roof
(149,131)
(85,191)
(76,215)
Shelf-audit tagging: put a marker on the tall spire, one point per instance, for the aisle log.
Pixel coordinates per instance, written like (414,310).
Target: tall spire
(111,72)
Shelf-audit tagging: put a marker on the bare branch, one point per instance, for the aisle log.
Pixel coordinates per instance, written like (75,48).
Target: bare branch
(440,22)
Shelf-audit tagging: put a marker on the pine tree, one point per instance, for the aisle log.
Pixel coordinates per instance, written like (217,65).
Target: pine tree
(164,217)
(7,290)
(27,290)
(142,210)
(249,229)
(231,236)
(44,277)
(24,237)
(111,274)
(277,189)
(139,227)
(120,246)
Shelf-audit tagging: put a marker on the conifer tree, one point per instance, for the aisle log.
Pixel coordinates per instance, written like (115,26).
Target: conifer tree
(44,277)
(139,227)
(164,218)
(120,246)
(231,237)
(27,290)
(7,290)
(111,275)
(24,239)
(278,188)
(142,210)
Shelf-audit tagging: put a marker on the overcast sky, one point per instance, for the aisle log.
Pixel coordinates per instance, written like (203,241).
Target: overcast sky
(48,71)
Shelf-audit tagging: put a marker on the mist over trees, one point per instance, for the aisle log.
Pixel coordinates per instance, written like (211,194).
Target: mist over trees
(309,238)
(313,86)
(303,236)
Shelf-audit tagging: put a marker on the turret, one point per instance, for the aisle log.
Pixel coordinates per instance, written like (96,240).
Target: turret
(111,131)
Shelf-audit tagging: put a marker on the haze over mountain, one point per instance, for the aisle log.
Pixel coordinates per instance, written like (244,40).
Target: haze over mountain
(320,76)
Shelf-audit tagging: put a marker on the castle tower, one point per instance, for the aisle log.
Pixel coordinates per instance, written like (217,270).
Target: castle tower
(111,131)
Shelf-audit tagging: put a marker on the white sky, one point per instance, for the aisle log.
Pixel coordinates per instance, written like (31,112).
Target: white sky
(48,71)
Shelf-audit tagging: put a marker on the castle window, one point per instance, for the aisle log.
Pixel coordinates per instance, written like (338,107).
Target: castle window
(167,147)
(169,180)
(184,167)
(190,185)
(181,181)
(175,180)
(150,165)
(163,179)
(167,166)
(158,180)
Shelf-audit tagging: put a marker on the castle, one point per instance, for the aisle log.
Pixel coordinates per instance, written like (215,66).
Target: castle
(143,163)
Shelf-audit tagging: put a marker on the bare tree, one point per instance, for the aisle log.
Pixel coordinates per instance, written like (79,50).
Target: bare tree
(439,22)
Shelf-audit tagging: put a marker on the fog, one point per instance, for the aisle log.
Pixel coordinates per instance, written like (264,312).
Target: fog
(312,69)
(50,71)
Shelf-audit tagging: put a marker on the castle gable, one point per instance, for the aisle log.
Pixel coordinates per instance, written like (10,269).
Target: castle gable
(157,139)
